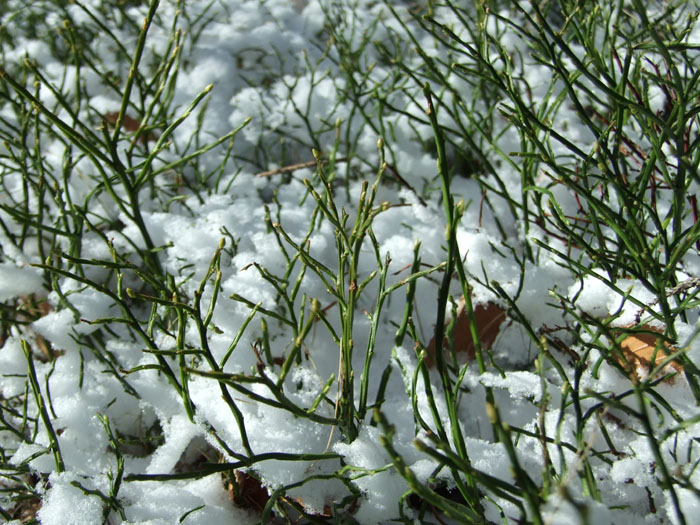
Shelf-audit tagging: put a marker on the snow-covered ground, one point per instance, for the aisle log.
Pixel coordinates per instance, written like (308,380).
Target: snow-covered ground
(271,61)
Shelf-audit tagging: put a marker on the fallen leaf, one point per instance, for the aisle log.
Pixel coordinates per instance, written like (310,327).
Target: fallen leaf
(251,493)
(129,124)
(639,349)
(254,496)
(488,318)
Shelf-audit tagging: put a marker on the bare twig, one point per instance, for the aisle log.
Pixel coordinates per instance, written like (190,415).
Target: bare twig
(295,167)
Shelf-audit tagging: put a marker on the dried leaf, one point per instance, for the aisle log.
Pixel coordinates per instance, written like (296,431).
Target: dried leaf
(251,493)
(129,124)
(254,496)
(488,317)
(639,349)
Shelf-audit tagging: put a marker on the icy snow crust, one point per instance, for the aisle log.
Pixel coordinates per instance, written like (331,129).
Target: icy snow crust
(266,61)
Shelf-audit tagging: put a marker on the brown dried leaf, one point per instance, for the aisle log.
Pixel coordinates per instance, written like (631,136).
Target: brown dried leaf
(129,124)
(639,350)
(488,317)
(251,493)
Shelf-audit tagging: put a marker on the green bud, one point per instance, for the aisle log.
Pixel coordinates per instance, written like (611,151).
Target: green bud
(491,412)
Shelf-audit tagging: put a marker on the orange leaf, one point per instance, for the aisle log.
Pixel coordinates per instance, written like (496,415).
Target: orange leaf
(639,349)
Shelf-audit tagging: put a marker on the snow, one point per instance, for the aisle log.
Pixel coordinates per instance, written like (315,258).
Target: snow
(274,89)
(66,503)
(16,281)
